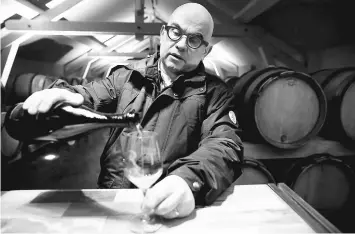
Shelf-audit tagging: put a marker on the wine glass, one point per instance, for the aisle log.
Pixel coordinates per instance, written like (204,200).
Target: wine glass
(143,167)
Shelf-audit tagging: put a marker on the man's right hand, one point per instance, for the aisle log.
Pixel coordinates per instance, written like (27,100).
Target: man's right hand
(42,101)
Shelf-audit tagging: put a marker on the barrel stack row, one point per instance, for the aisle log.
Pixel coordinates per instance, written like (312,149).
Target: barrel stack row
(286,109)
(23,85)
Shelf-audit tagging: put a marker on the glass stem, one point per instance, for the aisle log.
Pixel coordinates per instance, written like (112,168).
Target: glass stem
(145,214)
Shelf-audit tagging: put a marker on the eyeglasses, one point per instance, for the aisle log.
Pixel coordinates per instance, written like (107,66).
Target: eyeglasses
(194,41)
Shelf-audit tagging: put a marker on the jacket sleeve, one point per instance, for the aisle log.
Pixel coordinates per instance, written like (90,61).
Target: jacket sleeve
(216,163)
(101,95)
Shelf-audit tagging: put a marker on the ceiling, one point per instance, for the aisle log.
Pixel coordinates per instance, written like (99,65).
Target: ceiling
(301,24)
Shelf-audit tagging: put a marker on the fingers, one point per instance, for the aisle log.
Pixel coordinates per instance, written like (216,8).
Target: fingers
(45,105)
(42,101)
(31,103)
(155,196)
(170,198)
(172,214)
(167,207)
(163,203)
(75,99)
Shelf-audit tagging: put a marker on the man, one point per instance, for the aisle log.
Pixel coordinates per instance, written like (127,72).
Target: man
(191,111)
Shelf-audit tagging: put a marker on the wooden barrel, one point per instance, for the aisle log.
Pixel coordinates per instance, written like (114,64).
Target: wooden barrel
(254,172)
(10,147)
(323,181)
(26,84)
(339,89)
(282,107)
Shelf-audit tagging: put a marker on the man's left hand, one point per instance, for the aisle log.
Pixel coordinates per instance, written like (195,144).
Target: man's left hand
(170,198)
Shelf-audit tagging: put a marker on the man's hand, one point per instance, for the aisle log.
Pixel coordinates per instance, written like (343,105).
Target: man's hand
(170,198)
(42,101)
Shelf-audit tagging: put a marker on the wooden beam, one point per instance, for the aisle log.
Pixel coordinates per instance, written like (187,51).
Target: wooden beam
(283,46)
(4,57)
(259,36)
(289,61)
(10,55)
(87,40)
(273,50)
(99,67)
(267,58)
(117,54)
(138,47)
(139,16)
(87,68)
(9,58)
(51,14)
(253,9)
(14,40)
(84,59)
(89,28)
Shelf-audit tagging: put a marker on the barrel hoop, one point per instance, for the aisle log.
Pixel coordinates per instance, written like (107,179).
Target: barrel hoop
(335,73)
(316,159)
(321,75)
(350,82)
(266,73)
(30,83)
(252,88)
(246,79)
(318,71)
(259,165)
(335,103)
(333,128)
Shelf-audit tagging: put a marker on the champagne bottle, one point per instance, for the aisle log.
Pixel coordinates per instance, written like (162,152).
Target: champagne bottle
(62,122)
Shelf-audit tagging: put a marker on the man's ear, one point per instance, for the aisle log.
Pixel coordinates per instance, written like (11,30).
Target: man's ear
(161,33)
(162,30)
(208,50)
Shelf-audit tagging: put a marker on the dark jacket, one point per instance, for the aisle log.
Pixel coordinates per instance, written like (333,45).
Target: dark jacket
(197,139)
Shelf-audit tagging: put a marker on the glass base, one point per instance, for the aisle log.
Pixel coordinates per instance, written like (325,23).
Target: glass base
(141,224)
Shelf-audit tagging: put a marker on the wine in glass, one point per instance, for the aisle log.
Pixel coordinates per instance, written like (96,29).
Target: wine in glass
(143,167)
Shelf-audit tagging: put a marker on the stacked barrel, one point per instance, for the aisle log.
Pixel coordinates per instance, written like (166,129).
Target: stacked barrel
(284,110)
(339,88)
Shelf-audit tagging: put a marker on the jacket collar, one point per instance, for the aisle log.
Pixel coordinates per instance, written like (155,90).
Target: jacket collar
(151,71)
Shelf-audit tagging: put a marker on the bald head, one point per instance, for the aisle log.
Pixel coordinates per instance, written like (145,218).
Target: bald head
(196,15)
(189,24)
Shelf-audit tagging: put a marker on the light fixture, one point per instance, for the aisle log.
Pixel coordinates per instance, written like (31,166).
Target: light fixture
(50,157)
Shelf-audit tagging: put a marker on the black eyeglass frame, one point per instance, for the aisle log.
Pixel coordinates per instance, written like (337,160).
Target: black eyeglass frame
(203,42)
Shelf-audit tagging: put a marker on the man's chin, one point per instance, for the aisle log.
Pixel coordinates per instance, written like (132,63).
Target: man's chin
(174,67)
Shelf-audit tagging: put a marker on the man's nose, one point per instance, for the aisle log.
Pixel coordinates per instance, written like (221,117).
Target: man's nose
(182,43)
